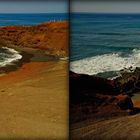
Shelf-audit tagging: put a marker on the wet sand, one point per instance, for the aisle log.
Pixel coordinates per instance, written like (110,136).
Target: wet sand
(34,101)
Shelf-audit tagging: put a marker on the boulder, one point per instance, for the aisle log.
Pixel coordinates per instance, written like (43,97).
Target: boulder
(124,102)
(96,98)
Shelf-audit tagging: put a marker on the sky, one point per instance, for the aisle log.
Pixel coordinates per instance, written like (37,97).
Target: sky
(33,6)
(106,6)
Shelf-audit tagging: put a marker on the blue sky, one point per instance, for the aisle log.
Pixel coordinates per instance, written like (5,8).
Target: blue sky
(106,6)
(33,6)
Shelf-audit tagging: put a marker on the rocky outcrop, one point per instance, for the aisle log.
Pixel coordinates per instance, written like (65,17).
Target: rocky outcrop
(50,36)
(124,102)
(95,98)
(128,80)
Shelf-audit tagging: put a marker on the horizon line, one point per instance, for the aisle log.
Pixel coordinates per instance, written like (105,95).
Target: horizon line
(34,13)
(104,13)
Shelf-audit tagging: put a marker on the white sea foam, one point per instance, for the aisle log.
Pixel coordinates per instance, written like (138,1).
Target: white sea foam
(12,57)
(106,62)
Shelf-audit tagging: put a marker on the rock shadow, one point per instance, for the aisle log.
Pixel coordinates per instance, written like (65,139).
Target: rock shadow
(135,111)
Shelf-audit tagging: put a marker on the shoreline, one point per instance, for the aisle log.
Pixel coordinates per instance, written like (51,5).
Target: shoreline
(33,91)
(16,64)
(37,43)
(34,94)
(29,55)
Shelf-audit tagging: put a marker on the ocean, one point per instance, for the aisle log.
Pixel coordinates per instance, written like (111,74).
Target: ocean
(104,43)
(30,19)
(8,55)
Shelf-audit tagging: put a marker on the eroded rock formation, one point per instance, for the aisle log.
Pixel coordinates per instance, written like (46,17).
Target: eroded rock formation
(95,98)
(50,36)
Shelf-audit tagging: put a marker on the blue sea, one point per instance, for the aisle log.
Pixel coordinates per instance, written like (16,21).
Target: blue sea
(8,55)
(104,42)
(31,19)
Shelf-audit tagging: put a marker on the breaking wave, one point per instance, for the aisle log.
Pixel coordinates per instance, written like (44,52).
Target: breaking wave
(106,62)
(8,56)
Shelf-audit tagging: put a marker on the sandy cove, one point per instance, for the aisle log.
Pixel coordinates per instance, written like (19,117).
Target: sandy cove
(34,92)
(33,101)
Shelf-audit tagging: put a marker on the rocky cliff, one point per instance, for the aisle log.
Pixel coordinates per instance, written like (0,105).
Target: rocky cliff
(51,36)
(96,98)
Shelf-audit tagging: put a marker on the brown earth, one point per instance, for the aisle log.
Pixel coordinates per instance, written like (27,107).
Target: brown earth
(34,97)
(113,129)
(92,98)
(50,36)
(34,102)
(98,113)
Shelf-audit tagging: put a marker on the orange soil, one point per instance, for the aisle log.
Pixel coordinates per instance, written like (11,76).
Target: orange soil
(34,98)
(28,69)
(33,102)
(51,36)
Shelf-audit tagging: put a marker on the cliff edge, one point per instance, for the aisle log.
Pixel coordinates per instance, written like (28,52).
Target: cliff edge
(49,36)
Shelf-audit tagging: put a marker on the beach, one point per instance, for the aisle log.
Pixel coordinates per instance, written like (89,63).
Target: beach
(34,89)
(33,101)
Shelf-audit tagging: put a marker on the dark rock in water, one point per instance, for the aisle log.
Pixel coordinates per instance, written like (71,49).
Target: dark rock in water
(94,97)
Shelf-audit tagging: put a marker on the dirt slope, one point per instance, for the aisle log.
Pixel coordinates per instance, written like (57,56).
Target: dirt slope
(51,36)
(121,128)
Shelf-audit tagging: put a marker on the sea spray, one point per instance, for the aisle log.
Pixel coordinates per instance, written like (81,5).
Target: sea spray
(8,56)
(105,63)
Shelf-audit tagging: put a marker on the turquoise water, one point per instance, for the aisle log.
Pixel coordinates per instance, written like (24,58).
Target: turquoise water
(104,42)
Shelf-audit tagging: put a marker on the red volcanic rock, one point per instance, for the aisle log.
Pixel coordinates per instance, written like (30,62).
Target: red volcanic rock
(94,98)
(124,102)
(50,36)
